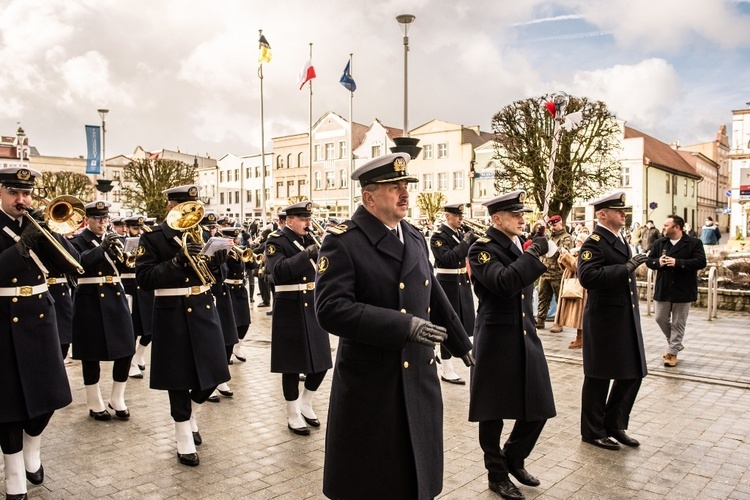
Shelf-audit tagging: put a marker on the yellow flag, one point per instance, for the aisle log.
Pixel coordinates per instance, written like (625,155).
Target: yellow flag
(265,50)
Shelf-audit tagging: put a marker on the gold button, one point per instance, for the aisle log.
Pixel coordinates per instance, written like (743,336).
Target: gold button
(15,299)
(63,294)
(187,280)
(304,292)
(41,315)
(100,273)
(15,320)
(137,288)
(403,310)
(523,315)
(406,364)
(224,294)
(305,304)
(523,296)
(190,309)
(118,294)
(633,306)
(14,280)
(208,306)
(304,278)
(38,277)
(426,282)
(524,332)
(187,295)
(631,293)
(40,296)
(428,310)
(101,284)
(630,280)
(432,360)
(101,295)
(401,286)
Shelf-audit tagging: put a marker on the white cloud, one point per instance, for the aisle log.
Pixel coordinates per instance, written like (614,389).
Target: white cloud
(87,79)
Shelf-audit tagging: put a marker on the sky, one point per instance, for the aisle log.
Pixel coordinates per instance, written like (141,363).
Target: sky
(183,74)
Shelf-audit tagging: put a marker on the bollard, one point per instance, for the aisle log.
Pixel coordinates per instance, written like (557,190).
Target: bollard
(650,281)
(712,299)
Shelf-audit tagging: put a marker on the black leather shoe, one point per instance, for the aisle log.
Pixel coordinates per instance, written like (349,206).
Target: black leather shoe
(36,477)
(231,361)
(302,431)
(240,358)
(213,399)
(121,414)
(19,496)
(264,304)
(605,443)
(523,477)
(314,422)
(226,394)
(302,377)
(100,415)
(190,459)
(141,367)
(139,375)
(623,438)
(197,439)
(506,489)
(457,381)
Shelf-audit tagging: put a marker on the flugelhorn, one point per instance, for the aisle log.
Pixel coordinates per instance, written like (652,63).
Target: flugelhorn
(118,249)
(186,218)
(62,215)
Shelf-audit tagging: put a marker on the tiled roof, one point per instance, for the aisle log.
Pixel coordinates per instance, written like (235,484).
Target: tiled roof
(659,154)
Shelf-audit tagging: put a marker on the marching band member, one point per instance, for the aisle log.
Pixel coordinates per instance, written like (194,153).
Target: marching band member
(237,281)
(33,382)
(188,358)
(298,343)
(102,328)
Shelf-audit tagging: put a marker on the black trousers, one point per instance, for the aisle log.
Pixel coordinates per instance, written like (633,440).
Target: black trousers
(265,291)
(180,402)
(242,331)
(91,370)
(521,441)
(11,433)
(290,383)
(600,413)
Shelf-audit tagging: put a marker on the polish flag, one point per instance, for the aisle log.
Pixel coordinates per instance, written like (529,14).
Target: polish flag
(306,74)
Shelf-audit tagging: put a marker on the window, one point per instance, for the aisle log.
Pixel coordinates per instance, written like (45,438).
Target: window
(127,175)
(318,181)
(427,152)
(458,180)
(117,176)
(257,172)
(221,198)
(289,161)
(482,189)
(412,186)
(116,196)
(442,150)
(248,196)
(669,183)
(317,153)
(299,159)
(302,184)
(279,162)
(229,176)
(442,181)
(237,174)
(329,151)
(330,180)
(221,176)
(247,172)
(257,197)
(426,182)
(280,189)
(674,184)
(375,151)
(692,187)
(625,176)
(236,196)
(685,187)
(344,178)
(342,149)
(290,188)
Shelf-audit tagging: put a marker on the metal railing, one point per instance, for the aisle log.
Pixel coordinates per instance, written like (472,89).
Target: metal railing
(712,299)
(650,283)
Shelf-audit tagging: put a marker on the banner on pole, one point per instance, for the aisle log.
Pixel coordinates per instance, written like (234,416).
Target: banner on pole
(93,158)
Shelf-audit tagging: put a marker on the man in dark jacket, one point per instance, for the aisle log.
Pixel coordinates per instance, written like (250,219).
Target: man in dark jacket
(376,290)
(33,382)
(298,343)
(678,258)
(649,235)
(612,338)
(510,379)
(450,246)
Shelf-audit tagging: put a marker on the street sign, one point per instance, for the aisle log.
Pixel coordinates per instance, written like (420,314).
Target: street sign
(728,193)
(653,205)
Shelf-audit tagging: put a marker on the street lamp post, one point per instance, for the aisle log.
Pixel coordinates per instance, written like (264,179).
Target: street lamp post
(104,185)
(405,144)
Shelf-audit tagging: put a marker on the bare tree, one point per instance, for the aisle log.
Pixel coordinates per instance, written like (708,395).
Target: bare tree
(71,183)
(430,204)
(586,163)
(150,178)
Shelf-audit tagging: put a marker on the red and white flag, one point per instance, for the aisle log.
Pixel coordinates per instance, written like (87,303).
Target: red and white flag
(306,74)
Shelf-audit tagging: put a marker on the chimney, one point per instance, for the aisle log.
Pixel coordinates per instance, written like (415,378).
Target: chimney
(675,144)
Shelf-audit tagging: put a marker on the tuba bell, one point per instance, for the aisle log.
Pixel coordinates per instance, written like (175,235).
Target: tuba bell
(186,218)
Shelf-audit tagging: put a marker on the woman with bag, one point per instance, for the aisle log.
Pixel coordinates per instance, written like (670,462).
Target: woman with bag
(572,294)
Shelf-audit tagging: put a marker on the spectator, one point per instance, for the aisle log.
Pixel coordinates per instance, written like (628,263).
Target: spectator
(710,233)
(649,235)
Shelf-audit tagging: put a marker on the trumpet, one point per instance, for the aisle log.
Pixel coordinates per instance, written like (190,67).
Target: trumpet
(316,231)
(238,252)
(62,215)
(118,249)
(259,258)
(311,232)
(479,229)
(186,218)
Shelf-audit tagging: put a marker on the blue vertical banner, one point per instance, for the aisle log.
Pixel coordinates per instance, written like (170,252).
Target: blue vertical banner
(94,158)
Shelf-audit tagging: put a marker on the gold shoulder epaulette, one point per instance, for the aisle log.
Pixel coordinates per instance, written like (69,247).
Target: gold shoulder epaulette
(275,234)
(438,231)
(338,229)
(595,237)
(483,240)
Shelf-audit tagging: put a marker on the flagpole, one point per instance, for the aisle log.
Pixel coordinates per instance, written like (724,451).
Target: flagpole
(351,142)
(262,146)
(309,135)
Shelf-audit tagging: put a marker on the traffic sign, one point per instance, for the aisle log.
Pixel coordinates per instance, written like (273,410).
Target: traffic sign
(653,205)
(728,193)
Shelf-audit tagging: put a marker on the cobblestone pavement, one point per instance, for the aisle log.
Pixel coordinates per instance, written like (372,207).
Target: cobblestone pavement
(692,422)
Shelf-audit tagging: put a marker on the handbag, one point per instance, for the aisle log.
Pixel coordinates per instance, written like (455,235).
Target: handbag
(571,289)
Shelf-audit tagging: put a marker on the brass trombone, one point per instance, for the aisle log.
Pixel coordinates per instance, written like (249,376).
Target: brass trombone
(479,229)
(186,218)
(62,215)
(316,231)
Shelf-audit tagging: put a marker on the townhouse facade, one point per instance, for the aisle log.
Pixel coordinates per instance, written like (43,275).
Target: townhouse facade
(739,159)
